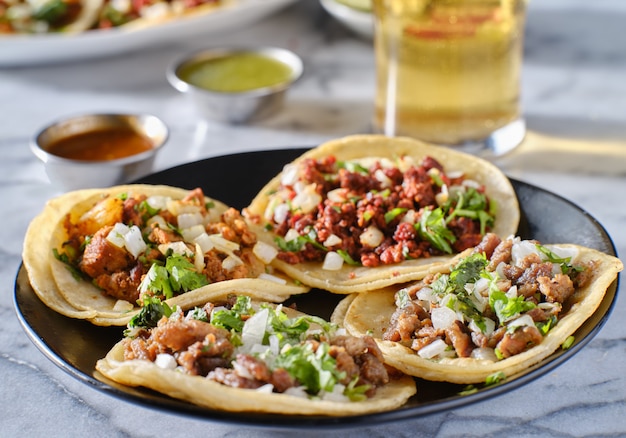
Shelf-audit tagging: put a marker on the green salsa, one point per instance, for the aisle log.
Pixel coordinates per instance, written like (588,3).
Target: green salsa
(236,73)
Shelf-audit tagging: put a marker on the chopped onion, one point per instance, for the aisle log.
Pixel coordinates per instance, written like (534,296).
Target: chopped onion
(254,328)
(332,240)
(198,260)
(383,179)
(524,320)
(273,278)
(178,247)
(116,235)
(371,237)
(289,175)
(435,348)
(191,232)
(471,183)
(521,250)
(268,388)
(291,234)
(426,294)
(188,220)
(206,244)
(158,221)
(336,395)
(178,207)
(307,200)
(484,353)
(264,252)
(443,196)
(133,241)
(165,361)
(280,213)
(337,195)
(242,371)
(332,261)
(442,317)
(231,262)
(297,391)
(490,326)
(158,202)
(410,217)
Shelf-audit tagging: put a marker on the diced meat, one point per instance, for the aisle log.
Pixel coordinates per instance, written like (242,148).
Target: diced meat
(459,339)
(101,257)
(520,340)
(404,322)
(557,289)
(501,254)
(487,245)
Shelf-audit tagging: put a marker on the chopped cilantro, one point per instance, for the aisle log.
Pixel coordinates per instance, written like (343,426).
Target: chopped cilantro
(354,167)
(348,258)
(297,244)
(232,319)
(432,228)
(506,308)
(177,276)
(199,314)
(494,378)
(394,213)
(564,262)
(568,342)
(152,310)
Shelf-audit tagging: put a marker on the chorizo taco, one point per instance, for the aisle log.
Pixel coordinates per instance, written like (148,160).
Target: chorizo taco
(503,308)
(245,356)
(367,211)
(107,250)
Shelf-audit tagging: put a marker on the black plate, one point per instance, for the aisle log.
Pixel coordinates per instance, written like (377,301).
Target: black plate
(76,345)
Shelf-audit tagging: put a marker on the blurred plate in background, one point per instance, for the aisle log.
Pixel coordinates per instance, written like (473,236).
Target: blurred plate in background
(19,50)
(359,21)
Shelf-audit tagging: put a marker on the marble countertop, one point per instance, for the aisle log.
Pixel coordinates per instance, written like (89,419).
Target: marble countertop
(574,98)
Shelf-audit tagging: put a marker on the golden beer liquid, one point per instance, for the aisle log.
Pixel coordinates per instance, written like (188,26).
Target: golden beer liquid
(448,71)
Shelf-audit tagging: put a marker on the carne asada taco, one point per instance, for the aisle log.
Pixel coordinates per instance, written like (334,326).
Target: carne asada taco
(500,310)
(246,356)
(110,249)
(367,211)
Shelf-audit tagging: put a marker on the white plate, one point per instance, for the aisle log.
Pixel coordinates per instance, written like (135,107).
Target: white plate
(361,23)
(18,50)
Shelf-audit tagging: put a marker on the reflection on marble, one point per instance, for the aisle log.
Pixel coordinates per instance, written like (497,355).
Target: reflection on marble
(574,99)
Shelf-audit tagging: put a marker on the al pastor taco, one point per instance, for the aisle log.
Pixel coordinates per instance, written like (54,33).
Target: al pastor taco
(108,250)
(505,307)
(244,356)
(364,212)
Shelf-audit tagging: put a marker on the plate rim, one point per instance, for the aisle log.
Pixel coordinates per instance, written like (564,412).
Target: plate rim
(261,420)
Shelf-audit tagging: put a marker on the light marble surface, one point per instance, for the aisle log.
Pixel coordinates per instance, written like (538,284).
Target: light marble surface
(574,97)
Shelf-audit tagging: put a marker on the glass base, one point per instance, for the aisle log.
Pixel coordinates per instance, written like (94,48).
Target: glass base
(498,143)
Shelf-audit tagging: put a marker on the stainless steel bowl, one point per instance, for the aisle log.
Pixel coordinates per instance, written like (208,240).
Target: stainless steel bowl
(236,107)
(71,174)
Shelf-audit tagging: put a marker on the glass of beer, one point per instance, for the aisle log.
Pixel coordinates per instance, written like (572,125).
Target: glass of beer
(448,71)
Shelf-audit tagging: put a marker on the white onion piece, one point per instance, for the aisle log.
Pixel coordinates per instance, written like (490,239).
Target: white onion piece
(336,395)
(254,328)
(524,320)
(435,348)
(273,278)
(291,235)
(231,262)
(280,213)
(198,260)
(158,202)
(205,243)
(179,248)
(157,221)
(268,388)
(471,183)
(522,249)
(383,179)
(178,207)
(264,252)
(490,326)
(332,240)
(165,361)
(242,371)
(426,294)
(289,175)
(337,195)
(191,232)
(188,220)
(307,200)
(410,217)
(484,353)
(442,317)
(133,241)
(297,391)
(332,261)
(117,233)
(371,237)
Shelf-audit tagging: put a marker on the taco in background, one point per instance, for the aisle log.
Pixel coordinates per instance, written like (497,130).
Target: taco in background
(246,356)
(49,16)
(367,211)
(112,248)
(500,310)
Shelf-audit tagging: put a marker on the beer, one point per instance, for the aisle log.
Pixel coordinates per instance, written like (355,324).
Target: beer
(448,71)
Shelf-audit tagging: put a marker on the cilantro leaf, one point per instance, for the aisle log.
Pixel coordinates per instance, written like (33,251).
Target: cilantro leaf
(506,308)
(432,228)
(183,275)
(394,213)
(233,318)
(152,310)
(157,282)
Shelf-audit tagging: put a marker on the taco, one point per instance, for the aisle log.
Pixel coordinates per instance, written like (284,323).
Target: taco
(48,16)
(500,310)
(367,211)
(246,356)
(107,250)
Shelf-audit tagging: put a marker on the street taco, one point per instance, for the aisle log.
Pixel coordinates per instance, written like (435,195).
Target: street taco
(109,249)
(367,211)
(246,356)
(500,310)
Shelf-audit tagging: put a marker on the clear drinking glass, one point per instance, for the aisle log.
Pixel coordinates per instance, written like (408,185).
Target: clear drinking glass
(448,71)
